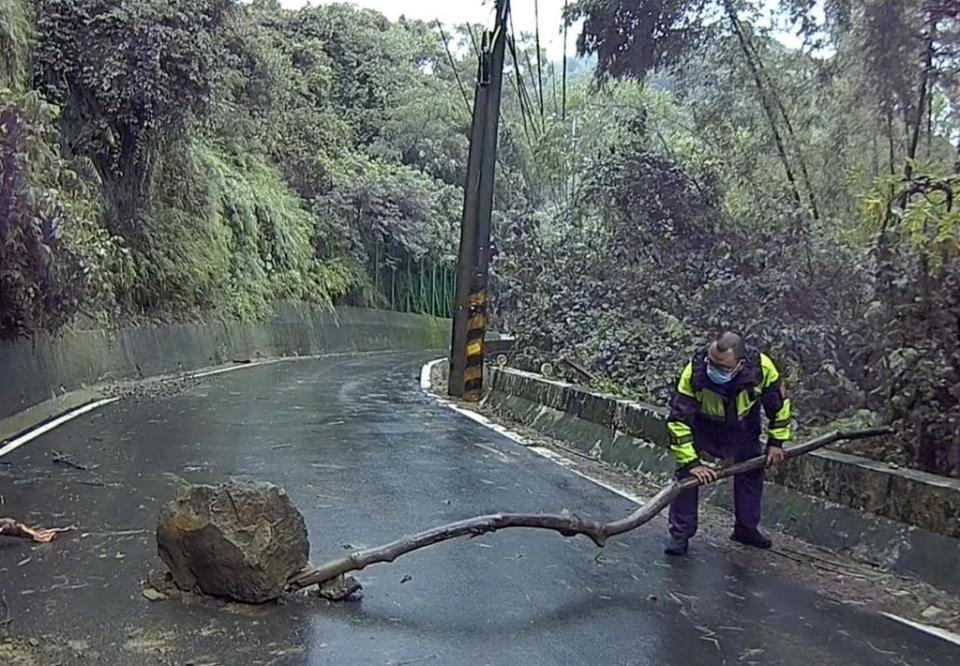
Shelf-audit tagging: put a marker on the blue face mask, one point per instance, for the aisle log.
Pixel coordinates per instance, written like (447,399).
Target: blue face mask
(720,376)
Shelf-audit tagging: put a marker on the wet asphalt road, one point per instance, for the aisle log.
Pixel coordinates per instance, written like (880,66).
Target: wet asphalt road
(366,456)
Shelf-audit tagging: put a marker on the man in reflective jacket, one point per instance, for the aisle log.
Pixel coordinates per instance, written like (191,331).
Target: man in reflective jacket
(716,409)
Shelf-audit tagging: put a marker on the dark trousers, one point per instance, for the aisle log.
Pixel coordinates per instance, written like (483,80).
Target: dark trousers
(747,487)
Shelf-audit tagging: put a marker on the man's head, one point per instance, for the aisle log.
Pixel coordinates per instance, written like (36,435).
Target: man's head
(726,356)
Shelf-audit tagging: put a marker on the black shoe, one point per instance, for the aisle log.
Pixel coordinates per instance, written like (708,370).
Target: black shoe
(751,538)
(676,546)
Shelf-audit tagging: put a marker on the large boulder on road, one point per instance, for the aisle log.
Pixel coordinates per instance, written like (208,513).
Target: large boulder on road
(238,540)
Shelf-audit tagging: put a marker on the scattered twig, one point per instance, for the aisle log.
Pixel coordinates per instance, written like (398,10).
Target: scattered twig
(121,533)
(64,459)
(416,661)
(573,451)
(825,564)
(869,569)
(583,371)
(70,586)
(841,571)
(233,503)
(711,639)
(7,615)
(788,556)
(878,650)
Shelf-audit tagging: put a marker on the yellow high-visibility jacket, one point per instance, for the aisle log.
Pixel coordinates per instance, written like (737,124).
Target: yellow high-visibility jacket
(731,411)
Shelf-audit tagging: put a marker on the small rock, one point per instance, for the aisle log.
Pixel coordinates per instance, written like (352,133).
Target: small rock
(932,612)
(154,595)
(162,581)
(34,642)
(340,588)
(406,579)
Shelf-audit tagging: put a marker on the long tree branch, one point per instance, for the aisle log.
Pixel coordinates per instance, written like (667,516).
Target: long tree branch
(921,103)
(566,524)
(566,25)
(453,66)
(536,13)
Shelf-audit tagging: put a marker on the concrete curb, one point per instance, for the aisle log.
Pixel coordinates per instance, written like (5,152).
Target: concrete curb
(906,521)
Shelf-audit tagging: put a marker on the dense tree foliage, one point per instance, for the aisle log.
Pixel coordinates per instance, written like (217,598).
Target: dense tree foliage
(687,172)
(169,157)
(804,197)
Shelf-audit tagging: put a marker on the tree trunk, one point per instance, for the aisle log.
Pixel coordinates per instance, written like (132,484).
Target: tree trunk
(536,14)
(953,454)
(922,102)
(891,144)
(563,112)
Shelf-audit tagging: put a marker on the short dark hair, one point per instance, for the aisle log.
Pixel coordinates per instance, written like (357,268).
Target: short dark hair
(731,341)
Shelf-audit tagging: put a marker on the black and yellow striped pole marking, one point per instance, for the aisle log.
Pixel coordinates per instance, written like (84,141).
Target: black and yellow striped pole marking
(476,332)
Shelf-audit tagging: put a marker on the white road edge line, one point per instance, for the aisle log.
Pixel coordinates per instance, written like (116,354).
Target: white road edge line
(569,465)
(41,430)
(541,451)
(224,370)
(28,437)
(943,634)
(31,435)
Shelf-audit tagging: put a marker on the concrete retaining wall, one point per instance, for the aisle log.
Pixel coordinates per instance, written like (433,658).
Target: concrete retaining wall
(33,371)
(905,520)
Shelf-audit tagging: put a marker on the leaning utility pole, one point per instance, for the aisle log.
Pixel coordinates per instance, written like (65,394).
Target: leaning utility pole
(470,314)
